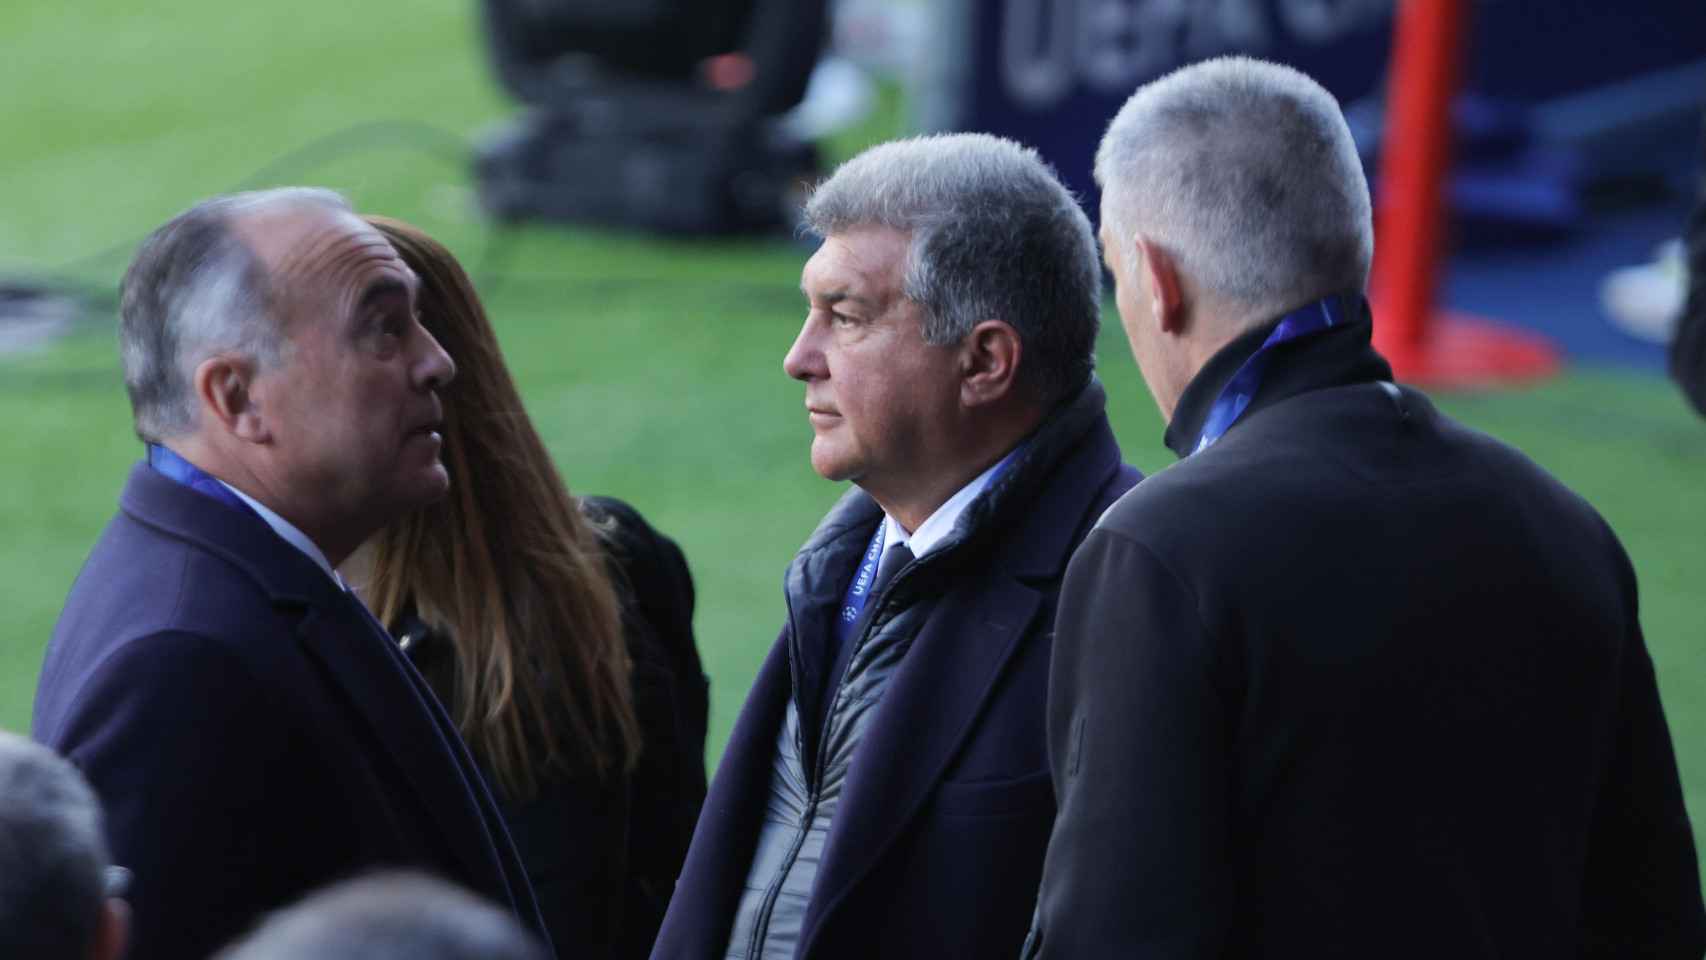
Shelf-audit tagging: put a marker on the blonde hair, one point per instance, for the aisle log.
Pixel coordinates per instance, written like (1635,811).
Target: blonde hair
(506,567)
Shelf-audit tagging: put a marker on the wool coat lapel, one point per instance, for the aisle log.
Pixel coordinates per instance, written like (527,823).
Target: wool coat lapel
(930,708)
(727,832)
(980,623)
(378,685)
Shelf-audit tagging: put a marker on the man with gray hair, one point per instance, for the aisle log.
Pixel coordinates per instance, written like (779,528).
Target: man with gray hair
(1349,680)
(885,791)
(252,731)
(389,916)
(59,890)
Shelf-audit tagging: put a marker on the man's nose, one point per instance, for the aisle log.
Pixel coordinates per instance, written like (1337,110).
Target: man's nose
(804,360)
(434,369)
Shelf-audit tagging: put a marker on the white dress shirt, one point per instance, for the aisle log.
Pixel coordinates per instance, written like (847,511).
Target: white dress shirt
(288,531)
(938,525)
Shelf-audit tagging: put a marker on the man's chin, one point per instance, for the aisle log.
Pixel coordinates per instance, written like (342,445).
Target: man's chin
(829,465)
(428,488)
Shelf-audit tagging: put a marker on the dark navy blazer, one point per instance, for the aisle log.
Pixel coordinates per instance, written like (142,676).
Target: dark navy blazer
(938,845)
(251,732)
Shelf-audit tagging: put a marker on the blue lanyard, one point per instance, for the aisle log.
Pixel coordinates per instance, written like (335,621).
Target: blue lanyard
(177,468)
(859,591)
(1235,397)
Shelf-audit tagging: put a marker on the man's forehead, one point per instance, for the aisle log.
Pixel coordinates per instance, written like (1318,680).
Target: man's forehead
(861,260)
(320,246)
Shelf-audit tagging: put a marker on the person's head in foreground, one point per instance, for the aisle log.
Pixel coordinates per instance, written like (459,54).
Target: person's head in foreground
(388,916)
(954,303)
(59,890)
(270,338)
(506,567)
(1231,193)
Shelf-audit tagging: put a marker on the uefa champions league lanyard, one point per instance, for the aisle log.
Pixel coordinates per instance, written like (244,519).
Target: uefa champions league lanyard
(177,468)
(859,591)
(1235,397)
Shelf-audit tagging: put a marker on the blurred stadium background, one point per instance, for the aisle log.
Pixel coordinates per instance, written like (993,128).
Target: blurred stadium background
(653,366)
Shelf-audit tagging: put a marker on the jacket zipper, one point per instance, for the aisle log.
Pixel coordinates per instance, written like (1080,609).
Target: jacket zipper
(819,767)
(767,909)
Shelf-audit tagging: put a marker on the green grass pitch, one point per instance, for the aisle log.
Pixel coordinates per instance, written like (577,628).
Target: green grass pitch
(652,368)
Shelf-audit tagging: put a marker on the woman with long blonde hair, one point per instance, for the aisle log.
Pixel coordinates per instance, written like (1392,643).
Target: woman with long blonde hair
(558,633)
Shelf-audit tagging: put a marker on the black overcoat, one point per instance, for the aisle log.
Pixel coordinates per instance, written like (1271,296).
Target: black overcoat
(1357,681)
(252,733)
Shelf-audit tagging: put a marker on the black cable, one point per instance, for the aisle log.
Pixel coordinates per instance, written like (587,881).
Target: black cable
(24,295)
(98,297)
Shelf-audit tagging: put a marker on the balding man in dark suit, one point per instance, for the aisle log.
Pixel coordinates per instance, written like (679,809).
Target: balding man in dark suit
(252,732)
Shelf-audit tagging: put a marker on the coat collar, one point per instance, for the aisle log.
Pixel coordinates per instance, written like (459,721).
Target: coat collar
(1064,462)
(1010,499)
(285,574)
(1022,528)
(1335,357)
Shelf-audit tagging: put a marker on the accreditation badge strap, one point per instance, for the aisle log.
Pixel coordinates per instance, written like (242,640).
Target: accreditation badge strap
(1235,397)
(859,591)
(167,462)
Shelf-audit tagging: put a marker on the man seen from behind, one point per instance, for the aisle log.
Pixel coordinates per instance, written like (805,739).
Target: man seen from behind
(1349,679)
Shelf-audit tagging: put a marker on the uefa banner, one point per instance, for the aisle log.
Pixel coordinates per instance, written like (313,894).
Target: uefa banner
(1051,73)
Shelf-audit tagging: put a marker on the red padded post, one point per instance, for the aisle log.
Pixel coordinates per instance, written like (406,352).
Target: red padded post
(1423,347)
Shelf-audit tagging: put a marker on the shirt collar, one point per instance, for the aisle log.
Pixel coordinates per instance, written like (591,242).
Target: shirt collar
(938,525)
(288,531)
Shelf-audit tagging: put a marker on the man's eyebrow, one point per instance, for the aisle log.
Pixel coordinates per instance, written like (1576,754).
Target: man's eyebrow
(835,296)
(383,289)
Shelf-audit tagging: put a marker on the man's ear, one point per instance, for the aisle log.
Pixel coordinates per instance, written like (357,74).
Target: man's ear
(989,362)
(224,388)
(1167,299)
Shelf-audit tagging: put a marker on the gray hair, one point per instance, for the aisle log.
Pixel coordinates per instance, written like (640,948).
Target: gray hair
(1245,173)
(993,235)
(193,290)
(53,854)
(389,916)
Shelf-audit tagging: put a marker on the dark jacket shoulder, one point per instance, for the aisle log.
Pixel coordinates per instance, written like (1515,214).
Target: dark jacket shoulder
(651,574)
(672,701)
